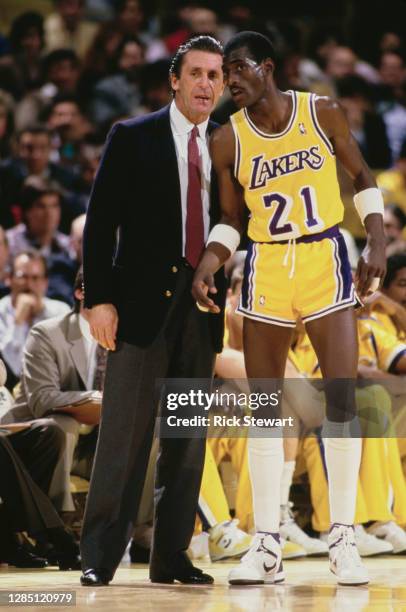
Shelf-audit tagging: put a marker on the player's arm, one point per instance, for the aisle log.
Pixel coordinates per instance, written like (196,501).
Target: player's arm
(225,236)
(368,199)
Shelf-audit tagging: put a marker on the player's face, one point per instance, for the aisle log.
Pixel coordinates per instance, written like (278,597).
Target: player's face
(200,84)
(397,288)
(244,77)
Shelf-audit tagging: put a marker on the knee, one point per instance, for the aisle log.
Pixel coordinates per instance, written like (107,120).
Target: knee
(57,437)
(50,433)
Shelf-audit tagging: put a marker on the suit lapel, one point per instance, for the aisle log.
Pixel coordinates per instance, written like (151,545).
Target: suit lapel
(169,171)
(77,348)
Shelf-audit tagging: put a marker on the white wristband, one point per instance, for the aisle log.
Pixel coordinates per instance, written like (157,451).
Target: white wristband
(225,235)
(368,201)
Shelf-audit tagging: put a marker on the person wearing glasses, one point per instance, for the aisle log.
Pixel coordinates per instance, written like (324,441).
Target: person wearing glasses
(25,306)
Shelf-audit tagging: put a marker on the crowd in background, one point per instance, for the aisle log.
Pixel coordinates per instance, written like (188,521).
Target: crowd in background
(66,77)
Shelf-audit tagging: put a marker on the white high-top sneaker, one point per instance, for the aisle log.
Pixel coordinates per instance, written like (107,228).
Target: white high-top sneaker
(261,564)
(345,561)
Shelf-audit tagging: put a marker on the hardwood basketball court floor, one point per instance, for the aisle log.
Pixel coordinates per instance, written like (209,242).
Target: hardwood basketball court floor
(309,586)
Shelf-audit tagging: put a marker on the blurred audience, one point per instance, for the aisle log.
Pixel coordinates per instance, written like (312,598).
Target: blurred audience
(392,182)
(32,158)
(6,124)
(25,306)
(366,125)
(68,28)
(119,94)
(41,215)
(394,220)
(21,70)
(4,259)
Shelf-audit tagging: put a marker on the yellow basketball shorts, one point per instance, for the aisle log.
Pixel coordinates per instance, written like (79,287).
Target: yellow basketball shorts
(307,277)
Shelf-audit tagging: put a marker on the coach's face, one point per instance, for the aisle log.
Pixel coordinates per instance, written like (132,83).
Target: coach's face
(199,85)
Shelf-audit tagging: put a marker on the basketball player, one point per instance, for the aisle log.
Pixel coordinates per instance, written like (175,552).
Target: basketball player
(278,154)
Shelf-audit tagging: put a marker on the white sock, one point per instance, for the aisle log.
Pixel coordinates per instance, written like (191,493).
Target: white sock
(265,460)
(286,481)
(343,456)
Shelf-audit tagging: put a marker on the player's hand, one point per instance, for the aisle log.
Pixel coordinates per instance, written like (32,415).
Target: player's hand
(203,284)
(103,321)
(371,265)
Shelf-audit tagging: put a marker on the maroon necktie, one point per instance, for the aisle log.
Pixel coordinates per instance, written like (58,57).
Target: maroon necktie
(194,210)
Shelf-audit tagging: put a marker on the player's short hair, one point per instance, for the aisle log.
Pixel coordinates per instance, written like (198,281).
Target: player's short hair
(197,43)
(393,265)
(259,46)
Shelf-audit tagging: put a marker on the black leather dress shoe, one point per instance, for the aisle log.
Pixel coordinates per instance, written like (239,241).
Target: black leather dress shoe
(95,577)
(68,562)
(21,557)
(192,575)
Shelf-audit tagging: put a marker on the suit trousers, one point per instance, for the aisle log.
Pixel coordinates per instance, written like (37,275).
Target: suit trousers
(182,349)
(27,462)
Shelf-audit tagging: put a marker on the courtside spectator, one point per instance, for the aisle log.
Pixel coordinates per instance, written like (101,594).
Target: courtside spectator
(25,306)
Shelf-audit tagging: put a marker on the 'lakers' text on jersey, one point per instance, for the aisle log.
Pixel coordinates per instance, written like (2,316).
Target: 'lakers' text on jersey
(289,179)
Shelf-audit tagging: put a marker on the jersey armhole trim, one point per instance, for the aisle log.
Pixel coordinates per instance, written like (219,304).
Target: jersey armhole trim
(316,124)
(237,152)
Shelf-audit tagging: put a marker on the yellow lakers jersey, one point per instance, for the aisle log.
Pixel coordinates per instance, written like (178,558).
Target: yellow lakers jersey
(289,179)
(377,347)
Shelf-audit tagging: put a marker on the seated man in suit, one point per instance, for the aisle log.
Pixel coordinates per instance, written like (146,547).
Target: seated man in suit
(60,383)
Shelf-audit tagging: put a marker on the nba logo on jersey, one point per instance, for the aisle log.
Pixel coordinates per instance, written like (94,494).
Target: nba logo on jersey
(262,300)
(302,128)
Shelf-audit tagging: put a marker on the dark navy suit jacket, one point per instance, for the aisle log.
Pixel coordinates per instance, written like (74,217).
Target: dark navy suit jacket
(136,198)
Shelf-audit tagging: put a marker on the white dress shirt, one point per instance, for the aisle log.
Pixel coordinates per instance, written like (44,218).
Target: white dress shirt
(90,345)
(181,128)
(13,336)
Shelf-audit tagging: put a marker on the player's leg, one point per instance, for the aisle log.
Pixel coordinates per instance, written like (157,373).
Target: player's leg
(334,338)
(265,348)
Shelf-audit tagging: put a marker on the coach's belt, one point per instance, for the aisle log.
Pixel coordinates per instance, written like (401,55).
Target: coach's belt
(331,232)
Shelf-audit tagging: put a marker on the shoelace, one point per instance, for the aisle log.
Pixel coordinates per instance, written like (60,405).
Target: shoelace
(348,550)
(291,241)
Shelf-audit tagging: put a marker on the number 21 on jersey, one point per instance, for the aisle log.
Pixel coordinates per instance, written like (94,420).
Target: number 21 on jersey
(280,227)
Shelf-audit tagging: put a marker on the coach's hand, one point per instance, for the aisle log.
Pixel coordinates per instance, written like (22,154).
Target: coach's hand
(371,265)
(103,321)
(203,284)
